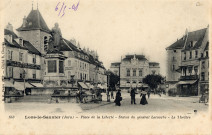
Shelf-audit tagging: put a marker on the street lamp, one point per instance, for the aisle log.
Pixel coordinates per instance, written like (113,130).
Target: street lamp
(72,80)
(24,73)
(108,85)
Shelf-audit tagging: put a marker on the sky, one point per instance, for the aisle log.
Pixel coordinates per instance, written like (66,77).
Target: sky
(115,28)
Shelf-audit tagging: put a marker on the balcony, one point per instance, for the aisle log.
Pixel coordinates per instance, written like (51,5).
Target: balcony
(190,77)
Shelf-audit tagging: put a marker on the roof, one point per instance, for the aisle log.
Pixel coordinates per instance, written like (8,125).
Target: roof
(197,36)
(35,21)
(139,57)
(179,44)
(8,32)
(31,48)
(13,44)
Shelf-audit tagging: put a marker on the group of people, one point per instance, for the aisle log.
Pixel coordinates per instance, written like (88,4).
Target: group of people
(133,93)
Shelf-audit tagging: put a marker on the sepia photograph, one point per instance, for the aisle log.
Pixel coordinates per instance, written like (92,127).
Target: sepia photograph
(105,67)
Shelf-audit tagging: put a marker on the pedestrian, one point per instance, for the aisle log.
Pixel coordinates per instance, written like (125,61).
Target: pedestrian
(148,93)
(143,99)
(132,94)
(118,98)
(112,97)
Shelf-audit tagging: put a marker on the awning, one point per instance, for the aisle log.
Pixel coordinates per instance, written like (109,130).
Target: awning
(187,82)
(145,86)
(100,86)
(8,84)
(83,85)
(20,85)
(90,86)
(37,84)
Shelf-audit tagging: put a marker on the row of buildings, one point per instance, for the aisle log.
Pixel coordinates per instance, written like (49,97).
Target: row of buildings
(132,69)
(188,63)
(24,57)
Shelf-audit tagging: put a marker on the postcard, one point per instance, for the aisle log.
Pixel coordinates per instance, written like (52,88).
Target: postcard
(105,67)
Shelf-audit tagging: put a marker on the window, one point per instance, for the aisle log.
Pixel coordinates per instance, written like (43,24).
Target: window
(10,38)
(206,54)
(21,42)
(69,63)
(34,59)
(175,51)
(196,70)
(140,72)
(128,72)
(10,72)
(61,67)
(191,44)
(172,59)
(52,67)
(85,77)
(184,55)
(9,55)
(201,55)
(202,76)
(190,70)
(203,64)
(34,76)
(173,67)
(196,54)
(21,75)
(85,66)
(190,57)
(45,42)
(134,72)
(20,56)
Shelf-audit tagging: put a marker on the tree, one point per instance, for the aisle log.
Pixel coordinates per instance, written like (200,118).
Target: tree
(153,80)
(114,79)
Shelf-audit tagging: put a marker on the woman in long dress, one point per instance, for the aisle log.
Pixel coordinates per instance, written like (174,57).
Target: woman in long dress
(143,99)
(118,98)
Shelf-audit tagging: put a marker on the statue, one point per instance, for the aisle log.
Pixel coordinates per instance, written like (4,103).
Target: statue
(56,38)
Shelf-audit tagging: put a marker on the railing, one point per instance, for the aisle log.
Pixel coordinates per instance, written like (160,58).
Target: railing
(190,77)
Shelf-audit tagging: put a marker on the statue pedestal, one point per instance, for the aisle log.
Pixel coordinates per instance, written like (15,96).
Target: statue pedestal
(55,76)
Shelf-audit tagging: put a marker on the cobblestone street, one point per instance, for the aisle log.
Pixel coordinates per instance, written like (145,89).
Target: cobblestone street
(156,104)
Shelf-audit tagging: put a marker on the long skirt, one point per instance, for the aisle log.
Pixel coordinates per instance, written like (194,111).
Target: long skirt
(143,100)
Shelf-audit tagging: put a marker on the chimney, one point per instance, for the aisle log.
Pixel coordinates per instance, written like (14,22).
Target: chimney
(9,27)
(73,41)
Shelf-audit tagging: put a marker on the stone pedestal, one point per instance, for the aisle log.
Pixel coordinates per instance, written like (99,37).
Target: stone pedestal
(55,76)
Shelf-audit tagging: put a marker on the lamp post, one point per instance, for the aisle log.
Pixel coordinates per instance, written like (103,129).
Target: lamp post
(72,80)
(24,73)
(108,85)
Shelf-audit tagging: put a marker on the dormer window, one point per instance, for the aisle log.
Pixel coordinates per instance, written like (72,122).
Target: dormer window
(196,54)
(21,42)
(191,44)
(206,54)
(10,38)
(190,57)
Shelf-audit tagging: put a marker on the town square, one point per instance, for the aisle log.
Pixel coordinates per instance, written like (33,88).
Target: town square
(107,60)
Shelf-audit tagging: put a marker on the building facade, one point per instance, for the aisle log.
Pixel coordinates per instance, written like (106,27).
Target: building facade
(21,63)
(132,70)
(28,50)
(193,65)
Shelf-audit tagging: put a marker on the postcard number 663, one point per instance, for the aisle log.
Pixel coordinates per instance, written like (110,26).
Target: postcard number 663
(11,116)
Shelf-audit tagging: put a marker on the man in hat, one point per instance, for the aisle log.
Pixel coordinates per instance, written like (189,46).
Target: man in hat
(132,94)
